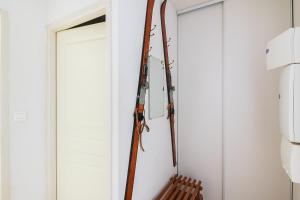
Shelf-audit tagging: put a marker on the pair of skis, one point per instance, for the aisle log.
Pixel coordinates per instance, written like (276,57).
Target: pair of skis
(170,87)
(139,118)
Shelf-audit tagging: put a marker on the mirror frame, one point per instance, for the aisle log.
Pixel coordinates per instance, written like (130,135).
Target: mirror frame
(157,95)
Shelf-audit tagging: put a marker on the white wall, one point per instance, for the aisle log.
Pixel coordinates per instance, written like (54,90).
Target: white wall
(297,12)
(27,44)
(296,192)
(154,167)
(252,168)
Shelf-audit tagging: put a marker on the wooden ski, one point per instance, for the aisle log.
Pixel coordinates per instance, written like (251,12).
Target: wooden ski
(139,118)
(170,88)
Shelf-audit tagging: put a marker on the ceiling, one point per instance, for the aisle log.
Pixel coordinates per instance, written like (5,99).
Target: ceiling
(182,4)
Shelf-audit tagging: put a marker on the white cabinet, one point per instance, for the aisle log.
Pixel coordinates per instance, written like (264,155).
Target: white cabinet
(289,112)
(290,159)
(284,49)
(297,45)
(286,103)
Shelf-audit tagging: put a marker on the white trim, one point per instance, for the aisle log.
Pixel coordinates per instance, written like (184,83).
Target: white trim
(4,151)
(79,17)
(223,97)
(199,6)
(113,17)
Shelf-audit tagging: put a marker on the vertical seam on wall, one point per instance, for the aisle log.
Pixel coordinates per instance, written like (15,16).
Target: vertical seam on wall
(292,25)
(56,108)
(222,87)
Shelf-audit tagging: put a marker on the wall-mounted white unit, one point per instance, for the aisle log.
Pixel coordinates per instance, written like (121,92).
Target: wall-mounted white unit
(284,49)
(289,103)
(290,159)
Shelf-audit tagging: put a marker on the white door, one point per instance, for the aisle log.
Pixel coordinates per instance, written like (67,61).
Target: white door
(82,114)
(200,98)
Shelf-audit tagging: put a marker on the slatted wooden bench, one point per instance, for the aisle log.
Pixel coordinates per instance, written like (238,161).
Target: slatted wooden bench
(181,188)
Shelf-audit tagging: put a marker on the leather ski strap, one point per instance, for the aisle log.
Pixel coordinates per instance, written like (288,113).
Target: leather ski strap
(170,88)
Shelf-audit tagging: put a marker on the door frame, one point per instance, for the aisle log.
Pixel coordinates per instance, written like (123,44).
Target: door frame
(79,17)
(4,146)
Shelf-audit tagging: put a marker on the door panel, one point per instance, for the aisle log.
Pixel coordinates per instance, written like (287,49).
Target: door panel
(200,98)
(82,114)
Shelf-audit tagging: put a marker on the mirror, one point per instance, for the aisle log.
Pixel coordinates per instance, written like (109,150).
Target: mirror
(156,87)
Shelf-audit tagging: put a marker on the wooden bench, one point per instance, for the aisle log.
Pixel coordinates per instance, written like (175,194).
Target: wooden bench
(181,188)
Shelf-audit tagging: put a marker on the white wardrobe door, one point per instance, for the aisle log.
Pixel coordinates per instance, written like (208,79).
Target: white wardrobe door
(82,114)
(200,98)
